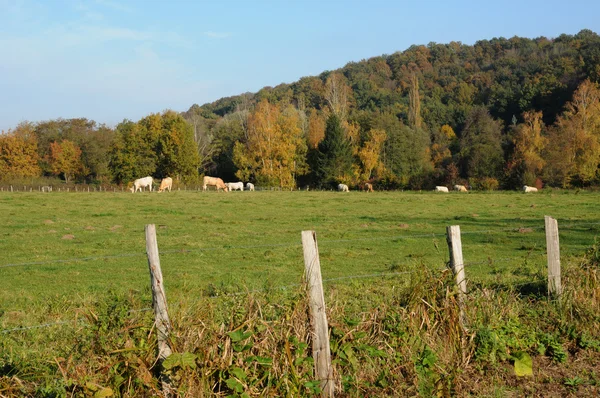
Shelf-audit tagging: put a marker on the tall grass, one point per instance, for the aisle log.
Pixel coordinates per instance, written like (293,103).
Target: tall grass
(393,336)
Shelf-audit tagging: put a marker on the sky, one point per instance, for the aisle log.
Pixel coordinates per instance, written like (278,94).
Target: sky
(110,60)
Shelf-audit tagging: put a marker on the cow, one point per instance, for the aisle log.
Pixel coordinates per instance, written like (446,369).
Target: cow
(343,188)
(214,182)
(141,183)
(235,186)
(165,184)
(528,189)
(368,187)
(250,186)
(441,189)
(460,188)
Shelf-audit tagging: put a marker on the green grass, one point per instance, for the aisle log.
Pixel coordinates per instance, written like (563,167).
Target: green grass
(393,333)
(251,240)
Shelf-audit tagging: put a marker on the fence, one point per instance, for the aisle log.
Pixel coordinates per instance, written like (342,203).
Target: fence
(314,288)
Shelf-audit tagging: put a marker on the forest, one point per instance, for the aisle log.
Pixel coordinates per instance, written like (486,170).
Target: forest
(498,114)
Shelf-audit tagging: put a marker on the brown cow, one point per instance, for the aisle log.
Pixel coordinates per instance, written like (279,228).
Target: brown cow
(215,182)
(368,187)
(165,184)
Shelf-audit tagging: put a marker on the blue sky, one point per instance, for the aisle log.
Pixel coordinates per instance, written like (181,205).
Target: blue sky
(110,60)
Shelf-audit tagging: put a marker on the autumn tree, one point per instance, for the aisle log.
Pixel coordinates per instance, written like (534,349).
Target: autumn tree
(527,162)
(316,129)
(370,151)
(19,153)
(574,155)
(441,142)
(275,150)
(337,95)
(65,159)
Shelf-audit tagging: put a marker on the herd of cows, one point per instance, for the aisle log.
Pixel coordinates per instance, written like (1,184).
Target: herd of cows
(167,184)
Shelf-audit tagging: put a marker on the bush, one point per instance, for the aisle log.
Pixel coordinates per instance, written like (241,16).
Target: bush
(484,184)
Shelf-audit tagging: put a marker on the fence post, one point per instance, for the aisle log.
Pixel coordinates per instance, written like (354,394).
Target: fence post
(320,347)
(458,267)
(553,252)
(159,303)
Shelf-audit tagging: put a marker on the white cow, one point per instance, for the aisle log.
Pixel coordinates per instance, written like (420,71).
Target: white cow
(165,184)
(235,186)
(460,188)
(250,186)
(343,188)
(527,189)
(441,189)
(141,183)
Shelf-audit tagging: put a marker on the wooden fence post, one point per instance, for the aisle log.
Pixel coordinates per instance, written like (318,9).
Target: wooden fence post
(320,346)
(458,267)
(159,303)
(553,251)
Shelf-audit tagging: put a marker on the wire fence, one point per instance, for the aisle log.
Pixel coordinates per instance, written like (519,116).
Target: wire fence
(489,261)
(292,244)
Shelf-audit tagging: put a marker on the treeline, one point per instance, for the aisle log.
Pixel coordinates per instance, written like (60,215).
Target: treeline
(80,150)
(501,113)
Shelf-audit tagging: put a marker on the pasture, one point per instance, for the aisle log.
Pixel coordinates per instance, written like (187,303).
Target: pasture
(65,253)
(251,240)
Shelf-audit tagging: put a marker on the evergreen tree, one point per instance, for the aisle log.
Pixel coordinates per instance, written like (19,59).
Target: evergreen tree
(335,154)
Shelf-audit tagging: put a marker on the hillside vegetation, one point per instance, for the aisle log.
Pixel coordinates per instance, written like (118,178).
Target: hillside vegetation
(497,114)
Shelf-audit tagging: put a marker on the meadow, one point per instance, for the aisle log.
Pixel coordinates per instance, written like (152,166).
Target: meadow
(65,256)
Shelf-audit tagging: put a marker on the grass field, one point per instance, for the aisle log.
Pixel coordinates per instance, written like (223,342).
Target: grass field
(251,240)
(82,255)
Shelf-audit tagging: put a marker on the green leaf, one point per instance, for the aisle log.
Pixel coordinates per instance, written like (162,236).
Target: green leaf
(238,335)
(523,364)
(235,385)
(183,360)
(103,393)
(237,372)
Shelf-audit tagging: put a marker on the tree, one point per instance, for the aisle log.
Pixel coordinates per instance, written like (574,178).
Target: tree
(177,152)
(19,153)
(481,151)
(132,154)
(316,129)
(275,150)
(574,155)
(414,110)
(335,154)
(527,162)
(65,159)
(370,151)
(337,95)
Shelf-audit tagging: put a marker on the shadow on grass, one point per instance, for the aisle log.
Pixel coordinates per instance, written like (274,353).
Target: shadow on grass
(536,290)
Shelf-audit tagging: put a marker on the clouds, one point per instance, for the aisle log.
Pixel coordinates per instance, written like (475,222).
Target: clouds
(89,65)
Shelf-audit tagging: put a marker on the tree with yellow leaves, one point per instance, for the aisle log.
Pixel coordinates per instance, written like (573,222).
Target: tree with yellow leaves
(316,129)
(370,151)
(275,150)
(19,153)
(65,159)
(574,155)
(527,161)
